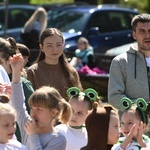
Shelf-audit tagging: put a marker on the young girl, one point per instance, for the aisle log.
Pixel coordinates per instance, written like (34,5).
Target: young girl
(75,131)
(46,105)
(52,67)
(102,125)
(133,124)
(24,50)
(8,127)
(7,49)
(84,54)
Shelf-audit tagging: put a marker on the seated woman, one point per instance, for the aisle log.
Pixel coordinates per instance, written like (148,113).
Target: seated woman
(84,54)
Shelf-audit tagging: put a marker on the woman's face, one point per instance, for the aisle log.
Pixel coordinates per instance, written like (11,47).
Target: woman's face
(113,132)
(53,48)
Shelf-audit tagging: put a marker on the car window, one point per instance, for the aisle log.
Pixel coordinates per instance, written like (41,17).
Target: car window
(16,17)
(20,16)
(111,21)
(100,20)
(67,21)
(120,20)
(2,19)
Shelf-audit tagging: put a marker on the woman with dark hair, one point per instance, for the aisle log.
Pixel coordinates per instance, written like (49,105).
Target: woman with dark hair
(51,67)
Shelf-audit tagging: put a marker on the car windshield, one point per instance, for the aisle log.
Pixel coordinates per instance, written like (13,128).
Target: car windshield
(67,20)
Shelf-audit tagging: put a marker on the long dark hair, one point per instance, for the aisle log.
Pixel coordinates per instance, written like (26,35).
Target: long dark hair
(67,69)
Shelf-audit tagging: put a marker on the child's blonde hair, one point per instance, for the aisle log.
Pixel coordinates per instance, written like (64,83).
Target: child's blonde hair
(6,108)
(50,98)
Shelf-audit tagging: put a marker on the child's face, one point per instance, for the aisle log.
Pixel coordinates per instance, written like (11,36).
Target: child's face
(81,45)
(7,127)
(42,116)
(113,132)
(79,112)
(128,119)
(26,59)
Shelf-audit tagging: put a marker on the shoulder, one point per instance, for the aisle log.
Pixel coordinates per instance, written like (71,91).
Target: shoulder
(58,137)
(62,128)
(16,144)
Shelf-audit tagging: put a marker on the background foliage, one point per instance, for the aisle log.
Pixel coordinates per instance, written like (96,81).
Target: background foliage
(141,5)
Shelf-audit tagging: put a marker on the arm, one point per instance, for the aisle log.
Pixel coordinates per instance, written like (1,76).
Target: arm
(140,133)
(116,84)
(17,94)
(30,23)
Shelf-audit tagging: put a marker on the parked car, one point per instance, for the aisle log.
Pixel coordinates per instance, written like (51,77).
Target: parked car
(105,26)
(16,16)
(119,49)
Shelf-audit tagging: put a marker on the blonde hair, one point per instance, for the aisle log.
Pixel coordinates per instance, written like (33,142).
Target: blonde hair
(6,108)
(50,98)
(83,98)
(39,15)
(85,41)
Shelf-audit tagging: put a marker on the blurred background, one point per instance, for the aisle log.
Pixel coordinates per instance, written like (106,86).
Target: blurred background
(142,6)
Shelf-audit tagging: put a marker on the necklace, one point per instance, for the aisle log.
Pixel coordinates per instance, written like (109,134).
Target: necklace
(77,127)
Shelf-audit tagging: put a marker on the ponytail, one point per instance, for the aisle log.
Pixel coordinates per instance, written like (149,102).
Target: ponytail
(65,113)
(13,44)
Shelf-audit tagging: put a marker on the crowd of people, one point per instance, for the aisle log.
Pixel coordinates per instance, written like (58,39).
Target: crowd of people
(53,111)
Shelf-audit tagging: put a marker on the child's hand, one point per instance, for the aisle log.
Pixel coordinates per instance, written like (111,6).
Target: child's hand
(139,134)
(132,132)
(5,88)
(30,127)
(16,61)
(128,139)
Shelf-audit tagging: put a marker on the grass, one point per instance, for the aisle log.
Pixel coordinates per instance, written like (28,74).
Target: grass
(50,1)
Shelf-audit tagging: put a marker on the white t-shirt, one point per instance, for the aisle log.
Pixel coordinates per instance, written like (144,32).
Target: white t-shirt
(3,76)
(148,61)
(76,138)
(12,145)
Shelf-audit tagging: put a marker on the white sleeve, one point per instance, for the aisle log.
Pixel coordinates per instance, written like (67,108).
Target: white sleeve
(4,76)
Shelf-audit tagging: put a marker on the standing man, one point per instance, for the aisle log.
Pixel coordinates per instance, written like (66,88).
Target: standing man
(130,71)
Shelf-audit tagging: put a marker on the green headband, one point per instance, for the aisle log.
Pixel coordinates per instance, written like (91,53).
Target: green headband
(142,105)
(90,93)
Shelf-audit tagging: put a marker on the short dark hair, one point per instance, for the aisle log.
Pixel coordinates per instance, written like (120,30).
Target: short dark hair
(143,18)
(24,50)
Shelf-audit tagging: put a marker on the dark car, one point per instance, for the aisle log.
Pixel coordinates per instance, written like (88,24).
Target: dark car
(16,16)
(105,26)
